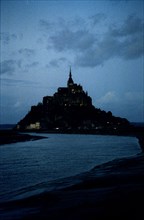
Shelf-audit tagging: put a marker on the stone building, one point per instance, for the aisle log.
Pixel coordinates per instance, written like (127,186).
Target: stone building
(72,95)
(71,109)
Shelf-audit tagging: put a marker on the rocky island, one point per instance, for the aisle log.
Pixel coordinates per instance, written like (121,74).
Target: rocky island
(111,190)
(70,110)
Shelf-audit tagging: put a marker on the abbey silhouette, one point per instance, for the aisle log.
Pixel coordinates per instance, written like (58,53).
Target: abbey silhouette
(70,109)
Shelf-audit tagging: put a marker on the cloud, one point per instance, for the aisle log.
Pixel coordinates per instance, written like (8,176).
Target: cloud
(61,24)
(109,97)
(46,25)
(131,26)
(134,97)
(27,52)
(8,66)
(90,49)
(72,40)
(76,23)
(62,35)
(128,97)
(97,18)
(57,62)
(97,55)
(31,65)
(126,42)
(17,104)
(11,66)
(132,48)
(6,37)
(15,82)
(129,105)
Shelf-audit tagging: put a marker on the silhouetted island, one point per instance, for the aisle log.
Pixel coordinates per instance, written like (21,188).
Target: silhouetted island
(70,110)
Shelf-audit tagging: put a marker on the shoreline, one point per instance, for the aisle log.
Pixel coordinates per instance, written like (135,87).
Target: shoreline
(113,189)
(11,136)
(14,136)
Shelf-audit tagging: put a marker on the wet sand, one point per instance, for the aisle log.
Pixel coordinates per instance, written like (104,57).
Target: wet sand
(114,189)
(11,136)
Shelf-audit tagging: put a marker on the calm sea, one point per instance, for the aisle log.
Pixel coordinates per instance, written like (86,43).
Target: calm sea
(32,166)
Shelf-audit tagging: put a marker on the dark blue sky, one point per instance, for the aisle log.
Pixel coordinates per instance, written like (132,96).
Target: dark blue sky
(101,40)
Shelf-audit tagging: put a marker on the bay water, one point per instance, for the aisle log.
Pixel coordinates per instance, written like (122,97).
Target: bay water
(33,164)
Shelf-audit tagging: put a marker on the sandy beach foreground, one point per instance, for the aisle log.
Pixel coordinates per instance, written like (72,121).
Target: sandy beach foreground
(111,190)
(114,189)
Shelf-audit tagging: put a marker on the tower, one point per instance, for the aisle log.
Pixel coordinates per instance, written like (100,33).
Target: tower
(70,80)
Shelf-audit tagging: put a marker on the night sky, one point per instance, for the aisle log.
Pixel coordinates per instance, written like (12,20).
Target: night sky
(102,41)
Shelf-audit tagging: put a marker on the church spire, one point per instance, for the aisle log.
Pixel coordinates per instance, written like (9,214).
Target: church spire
(70,75)
(70,80)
